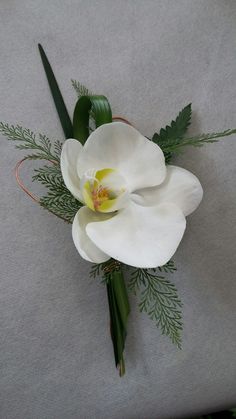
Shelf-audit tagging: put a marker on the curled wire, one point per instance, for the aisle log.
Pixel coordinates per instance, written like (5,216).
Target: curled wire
(113,266)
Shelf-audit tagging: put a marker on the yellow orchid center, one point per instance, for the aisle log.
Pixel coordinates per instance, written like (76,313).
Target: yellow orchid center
(101,189)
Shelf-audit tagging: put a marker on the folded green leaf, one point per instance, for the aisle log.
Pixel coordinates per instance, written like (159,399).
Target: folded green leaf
(57,96)
(101,113)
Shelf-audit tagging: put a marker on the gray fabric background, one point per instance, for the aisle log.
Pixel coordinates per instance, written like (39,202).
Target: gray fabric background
(150,58)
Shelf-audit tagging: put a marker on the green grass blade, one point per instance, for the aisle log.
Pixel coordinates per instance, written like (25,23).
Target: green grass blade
(119,312)
(57,96)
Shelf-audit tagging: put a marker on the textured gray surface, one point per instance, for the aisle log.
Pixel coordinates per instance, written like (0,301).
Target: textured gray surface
(150,58)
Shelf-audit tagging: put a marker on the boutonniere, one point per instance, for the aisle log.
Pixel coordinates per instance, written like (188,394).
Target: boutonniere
(126,201)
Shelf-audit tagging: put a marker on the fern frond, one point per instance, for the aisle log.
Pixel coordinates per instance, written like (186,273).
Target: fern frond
(169,267)
(171,139)
(175,131)
(177,128)
(176,146)
(159,299)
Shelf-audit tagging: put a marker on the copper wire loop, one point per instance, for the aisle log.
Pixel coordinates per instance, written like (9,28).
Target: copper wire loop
(119,118)
(114,265)
(20,183)
(30,194)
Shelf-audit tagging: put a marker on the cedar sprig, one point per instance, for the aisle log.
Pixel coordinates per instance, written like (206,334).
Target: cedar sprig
(58,199)
(28,140)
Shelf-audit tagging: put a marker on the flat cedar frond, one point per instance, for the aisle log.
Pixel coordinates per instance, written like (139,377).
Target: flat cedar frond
(27,140)
(80,89)
(104,270)
(58,199)
(159,299)
(57,149)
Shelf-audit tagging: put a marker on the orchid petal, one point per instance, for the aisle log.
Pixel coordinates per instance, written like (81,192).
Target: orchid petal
(180,187)
(69,156)
(140,236)
(86,248)
(119,146)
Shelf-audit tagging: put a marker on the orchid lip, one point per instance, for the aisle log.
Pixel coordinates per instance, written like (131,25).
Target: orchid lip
(103,189)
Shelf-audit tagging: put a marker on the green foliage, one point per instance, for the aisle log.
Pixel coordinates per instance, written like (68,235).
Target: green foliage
(58,199)
(80,89)
(175,131)
(169,267)
(171,138)
(97,270)
(104,270)
(158,296)
(159,299)
(27,140)
(112,275)
(57,96)
(101,115)
(176,146)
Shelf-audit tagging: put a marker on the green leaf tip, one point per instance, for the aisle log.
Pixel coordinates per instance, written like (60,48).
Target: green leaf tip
(119,308)
(57,96)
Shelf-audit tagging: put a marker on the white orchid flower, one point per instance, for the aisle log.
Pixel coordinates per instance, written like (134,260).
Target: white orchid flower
(134,206)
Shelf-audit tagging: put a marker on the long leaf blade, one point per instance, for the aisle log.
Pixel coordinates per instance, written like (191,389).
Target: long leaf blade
(57,96)
(119,312)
